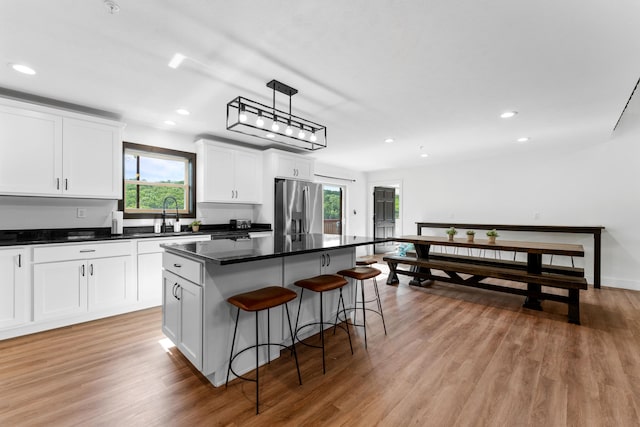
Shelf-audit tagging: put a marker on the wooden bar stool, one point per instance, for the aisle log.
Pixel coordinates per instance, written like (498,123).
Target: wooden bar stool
(257,301)
(321,284)
(360,274)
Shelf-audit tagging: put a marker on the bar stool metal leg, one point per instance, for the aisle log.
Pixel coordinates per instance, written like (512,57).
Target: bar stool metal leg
(233,343)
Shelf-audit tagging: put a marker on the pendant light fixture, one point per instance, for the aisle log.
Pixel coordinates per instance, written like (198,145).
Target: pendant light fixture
(249,117)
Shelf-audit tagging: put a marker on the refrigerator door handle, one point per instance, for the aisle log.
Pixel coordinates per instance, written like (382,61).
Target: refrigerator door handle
(305,209)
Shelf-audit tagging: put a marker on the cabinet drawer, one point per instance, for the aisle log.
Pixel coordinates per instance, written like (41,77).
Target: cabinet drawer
(149,246)
(183,267)
(54,253)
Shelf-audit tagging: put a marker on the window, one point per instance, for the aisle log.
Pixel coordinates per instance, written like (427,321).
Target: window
(153,175)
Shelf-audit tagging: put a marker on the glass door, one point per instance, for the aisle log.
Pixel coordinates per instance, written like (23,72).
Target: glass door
(333,210)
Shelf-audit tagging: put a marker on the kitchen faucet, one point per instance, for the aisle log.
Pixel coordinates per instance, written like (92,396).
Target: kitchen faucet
(164,212)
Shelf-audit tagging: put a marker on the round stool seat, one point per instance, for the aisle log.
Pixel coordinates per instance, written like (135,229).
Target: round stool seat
(262,299)
(322,283)
(360,273)
(365,260)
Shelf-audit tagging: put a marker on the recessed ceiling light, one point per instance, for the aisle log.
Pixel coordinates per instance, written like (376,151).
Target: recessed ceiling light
(524,139)
(388,140)
(176,60)
(23,69)
(169,122)
(183,111)
(424,155)
(508,114)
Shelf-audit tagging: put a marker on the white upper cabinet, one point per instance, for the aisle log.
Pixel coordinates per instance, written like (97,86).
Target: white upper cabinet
(228,174)
(92,159)
(47,152)
(293,166)
(30,152)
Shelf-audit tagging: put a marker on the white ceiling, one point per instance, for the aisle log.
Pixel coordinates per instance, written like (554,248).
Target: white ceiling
(431,73)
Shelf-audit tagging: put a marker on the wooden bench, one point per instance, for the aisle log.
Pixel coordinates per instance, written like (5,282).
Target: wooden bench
(479,270)
(520,265)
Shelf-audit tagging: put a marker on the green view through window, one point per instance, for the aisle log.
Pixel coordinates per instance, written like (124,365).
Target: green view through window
(151,174)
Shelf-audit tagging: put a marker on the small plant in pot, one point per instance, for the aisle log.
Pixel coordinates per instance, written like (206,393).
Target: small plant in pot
(492,234)
(470,235)
(195,226)
(452,232)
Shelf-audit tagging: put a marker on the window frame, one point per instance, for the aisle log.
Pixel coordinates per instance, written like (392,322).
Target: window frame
(190,173)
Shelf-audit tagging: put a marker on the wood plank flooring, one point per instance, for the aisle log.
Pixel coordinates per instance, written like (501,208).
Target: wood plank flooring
(453,356)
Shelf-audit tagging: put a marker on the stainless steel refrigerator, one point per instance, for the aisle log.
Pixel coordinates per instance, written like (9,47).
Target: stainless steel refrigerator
(298,208)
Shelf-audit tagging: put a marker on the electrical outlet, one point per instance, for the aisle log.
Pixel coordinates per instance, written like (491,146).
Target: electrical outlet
(81,213)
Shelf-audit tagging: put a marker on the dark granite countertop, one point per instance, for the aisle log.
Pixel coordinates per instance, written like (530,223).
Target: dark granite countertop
(224,252)
(66,235)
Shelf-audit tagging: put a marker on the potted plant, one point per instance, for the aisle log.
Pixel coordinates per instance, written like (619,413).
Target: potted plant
(452,232)
(492,234)
(195,226)
(470,235)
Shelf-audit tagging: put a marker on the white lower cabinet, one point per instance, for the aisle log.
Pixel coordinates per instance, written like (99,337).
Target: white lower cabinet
(59,289)
(150,267)
(71,280)
(13,287)
(182,315)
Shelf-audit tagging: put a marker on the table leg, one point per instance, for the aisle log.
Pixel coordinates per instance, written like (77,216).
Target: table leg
(422,251)
(534,265)
(597,253)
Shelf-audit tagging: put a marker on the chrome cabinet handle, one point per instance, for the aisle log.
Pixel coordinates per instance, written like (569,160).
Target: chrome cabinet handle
(177,289)
(328,259)
(177,265)
(57,183)
(84,251)
(91,269)
(82,270)
(324,260)
(19,260)
(66,184)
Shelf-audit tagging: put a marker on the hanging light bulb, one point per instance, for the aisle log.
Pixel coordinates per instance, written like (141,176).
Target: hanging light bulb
(301,134)
(259,120)
(288,130)
(313,137)
(275,126)
(243,115)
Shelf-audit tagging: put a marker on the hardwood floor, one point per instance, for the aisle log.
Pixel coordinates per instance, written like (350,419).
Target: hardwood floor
(453,356)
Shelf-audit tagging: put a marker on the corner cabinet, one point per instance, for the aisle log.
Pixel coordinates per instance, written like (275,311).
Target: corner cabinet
(13,287)
(49,152)
(228,174)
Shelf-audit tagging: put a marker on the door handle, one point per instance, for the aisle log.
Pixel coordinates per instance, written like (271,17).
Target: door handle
(82,270)
(19,260)
(66,184)
(323,260)
(90,269)
(177,289)
(57,183)
(328,259)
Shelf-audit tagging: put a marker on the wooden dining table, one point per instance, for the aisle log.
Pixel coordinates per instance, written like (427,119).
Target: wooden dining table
(484,267)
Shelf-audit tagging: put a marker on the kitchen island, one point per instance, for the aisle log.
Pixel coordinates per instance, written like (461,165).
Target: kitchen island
(198,277)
